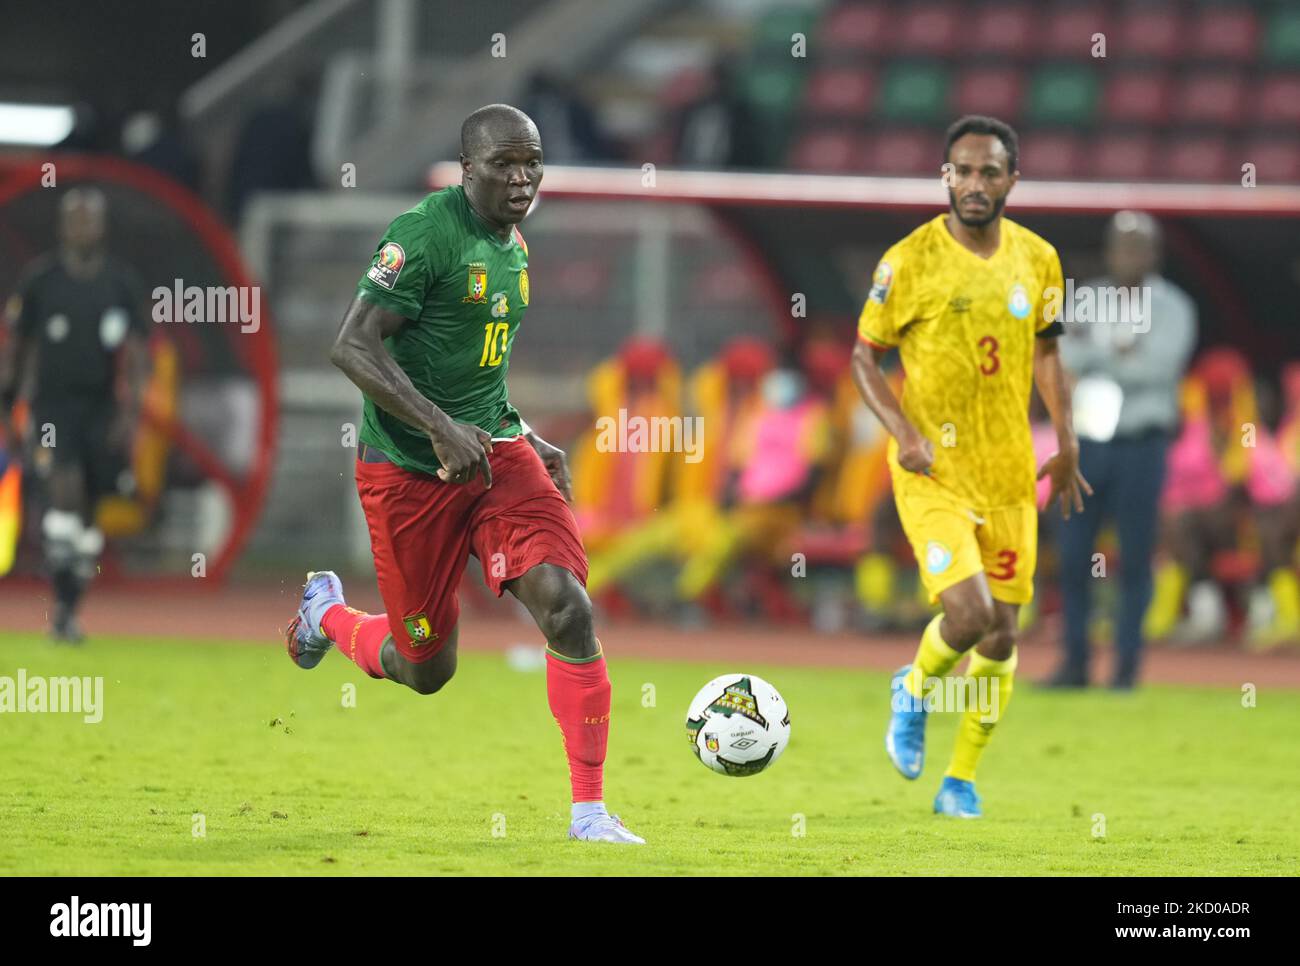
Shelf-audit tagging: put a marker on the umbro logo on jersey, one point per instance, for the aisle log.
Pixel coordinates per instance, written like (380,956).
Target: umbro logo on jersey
(960,304)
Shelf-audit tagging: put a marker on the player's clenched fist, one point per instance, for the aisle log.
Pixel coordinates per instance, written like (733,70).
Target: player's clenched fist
(462,450)
(915,452)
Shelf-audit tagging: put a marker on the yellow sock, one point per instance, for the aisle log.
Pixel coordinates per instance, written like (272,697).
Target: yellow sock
(1166,601)
(933,659)
(977,724)
(1285,588)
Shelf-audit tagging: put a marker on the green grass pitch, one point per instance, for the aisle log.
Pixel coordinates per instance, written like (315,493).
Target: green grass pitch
(473,780)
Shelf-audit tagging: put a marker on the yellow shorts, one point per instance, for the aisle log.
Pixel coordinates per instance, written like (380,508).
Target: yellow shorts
(953,542)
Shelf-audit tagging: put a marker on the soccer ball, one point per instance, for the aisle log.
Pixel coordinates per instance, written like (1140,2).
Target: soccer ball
(738,725)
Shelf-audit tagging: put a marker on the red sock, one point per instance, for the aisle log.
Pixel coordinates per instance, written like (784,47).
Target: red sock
(579,696)
(358,636)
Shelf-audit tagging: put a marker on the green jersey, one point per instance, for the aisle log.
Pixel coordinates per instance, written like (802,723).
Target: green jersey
(464,291)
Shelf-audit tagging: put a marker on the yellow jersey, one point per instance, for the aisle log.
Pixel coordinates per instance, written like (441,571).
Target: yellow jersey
(965,329)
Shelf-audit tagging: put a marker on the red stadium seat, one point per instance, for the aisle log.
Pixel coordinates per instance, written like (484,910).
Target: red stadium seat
(1203,158)
(1214,98)
(1009,29)
(927,28)
(1230,34)
(906,152)
(1051,156)
(830,152)
(856,27)
(1068,32)
(840,92)
(1147,33)
(998,91)
(1138,96)
(1277,100)
(1276,160)
(1124,157)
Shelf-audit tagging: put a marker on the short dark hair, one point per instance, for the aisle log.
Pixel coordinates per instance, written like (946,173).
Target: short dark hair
(479,128)
(981,124)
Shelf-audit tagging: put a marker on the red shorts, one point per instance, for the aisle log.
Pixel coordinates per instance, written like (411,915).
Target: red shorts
(422,531)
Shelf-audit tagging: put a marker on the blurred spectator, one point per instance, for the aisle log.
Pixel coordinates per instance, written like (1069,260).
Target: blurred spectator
(717,131)
(1228,474)
(1129,356)
(573,134)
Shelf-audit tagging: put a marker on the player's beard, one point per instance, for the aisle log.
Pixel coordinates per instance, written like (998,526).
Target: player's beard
(995,210)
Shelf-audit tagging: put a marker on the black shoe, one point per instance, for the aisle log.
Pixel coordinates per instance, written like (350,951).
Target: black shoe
(1066,678)
(65,629)
(1123,683)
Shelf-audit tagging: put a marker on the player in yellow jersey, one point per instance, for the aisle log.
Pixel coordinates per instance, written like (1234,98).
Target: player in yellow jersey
(971,301)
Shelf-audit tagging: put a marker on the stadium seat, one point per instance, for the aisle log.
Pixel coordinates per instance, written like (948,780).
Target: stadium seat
(914,92)
(1148,33)
(830,152)
(775,28)
(1210,98)
(927,29)
(843,92)
(1229,34)
(906,152)
(855,27)
(1282,42)
(1068,31)
(1006,29)
(1137,96)
(1276,160)
(1063,95)
(1051,155)
(1124,157)
(998,91)
(773,89)
(1276,100)
(1201,158)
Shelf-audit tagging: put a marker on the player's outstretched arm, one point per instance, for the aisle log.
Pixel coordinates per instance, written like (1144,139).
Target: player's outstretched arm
(359,352)
(915,452)
(1068,484)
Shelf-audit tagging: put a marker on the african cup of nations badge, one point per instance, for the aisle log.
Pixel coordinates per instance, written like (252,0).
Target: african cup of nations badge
(388,265)
(880,283)
(418,630)
(523,285)
(477,283)
(1018,303)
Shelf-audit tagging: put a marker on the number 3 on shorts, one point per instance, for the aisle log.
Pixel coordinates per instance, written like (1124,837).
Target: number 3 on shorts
(1007,566)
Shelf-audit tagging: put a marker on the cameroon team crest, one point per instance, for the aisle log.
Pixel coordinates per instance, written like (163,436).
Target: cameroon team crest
(477,283)
(523,285)
(419,631)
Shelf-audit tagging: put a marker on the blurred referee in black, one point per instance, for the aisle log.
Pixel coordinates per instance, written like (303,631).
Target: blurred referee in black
(76,349)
